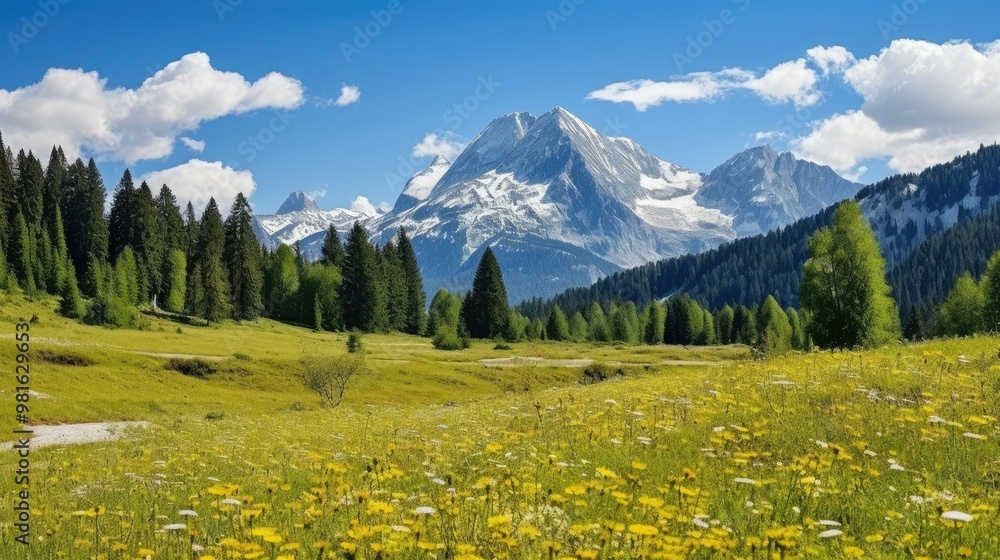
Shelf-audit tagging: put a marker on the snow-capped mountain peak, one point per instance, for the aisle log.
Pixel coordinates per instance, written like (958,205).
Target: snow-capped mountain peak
(419,187)
(298,201)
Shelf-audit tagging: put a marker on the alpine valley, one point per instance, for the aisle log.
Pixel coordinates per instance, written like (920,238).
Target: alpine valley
(563,205)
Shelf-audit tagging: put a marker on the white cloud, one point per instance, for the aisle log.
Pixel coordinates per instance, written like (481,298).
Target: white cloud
(193,145)
(434,145)
(363,205)
(831,59)
(768,135)
(197,181)
(348,95)
(923,103)
(316,194)
(790,81)
(78,110)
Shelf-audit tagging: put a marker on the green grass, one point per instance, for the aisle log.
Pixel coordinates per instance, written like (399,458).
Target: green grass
(739,459)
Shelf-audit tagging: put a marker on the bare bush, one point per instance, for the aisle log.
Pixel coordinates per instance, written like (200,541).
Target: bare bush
(328,375)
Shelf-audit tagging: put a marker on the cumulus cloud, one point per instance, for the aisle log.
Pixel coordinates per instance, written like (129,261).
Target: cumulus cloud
(434,145)
(197,181)
(363,205)
(831,59)
(348,95)
(923,103)
(791,81)
(193,145)
(79,111)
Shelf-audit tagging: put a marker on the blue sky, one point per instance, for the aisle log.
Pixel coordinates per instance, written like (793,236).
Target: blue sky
(415,66)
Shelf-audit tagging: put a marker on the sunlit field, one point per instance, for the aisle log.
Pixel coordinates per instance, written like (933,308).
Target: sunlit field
(697,453)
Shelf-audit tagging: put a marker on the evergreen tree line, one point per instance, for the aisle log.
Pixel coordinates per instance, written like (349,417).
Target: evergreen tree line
(147,252)
(745,271)
(970,307)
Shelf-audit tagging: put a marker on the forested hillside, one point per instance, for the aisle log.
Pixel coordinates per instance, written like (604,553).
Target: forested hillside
(913,215)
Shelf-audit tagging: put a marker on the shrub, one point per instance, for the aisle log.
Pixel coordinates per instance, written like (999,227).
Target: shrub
(192,367)
(595,373)
(447,339)
(115,313)
(63,358)
(502,346)
(354,343)
(328,376)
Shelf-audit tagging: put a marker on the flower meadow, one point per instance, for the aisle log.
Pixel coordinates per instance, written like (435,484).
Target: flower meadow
(889,454)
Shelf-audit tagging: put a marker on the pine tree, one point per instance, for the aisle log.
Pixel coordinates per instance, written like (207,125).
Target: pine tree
(168,220)
(798,333)
(744,326)
(913,330)
(30,188)
(214,305)
(724,325)
(242,255)
(655,323)
(126,274)
(844,287)
(774,333)
(486,312)
(362,294)
(416,300)
(577,327)
(599,329)
(192,233)
(121,228)
(333,249)
(176,281)
(52,189)
(147,243)
(394,281)
(8,197)
(991,294)
(557,327)
(20,256)
(961,313)
(707,337)
(72,301)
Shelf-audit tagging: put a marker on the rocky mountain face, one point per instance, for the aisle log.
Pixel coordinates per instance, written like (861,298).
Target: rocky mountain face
(563,205)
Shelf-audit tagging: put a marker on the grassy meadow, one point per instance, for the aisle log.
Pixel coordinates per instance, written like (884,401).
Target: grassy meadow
(694,453)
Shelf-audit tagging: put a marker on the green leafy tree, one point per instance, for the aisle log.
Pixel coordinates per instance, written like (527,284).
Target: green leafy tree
(282,284)
(126,272)
(655,323)
(961,313)
(242,257)
(362,294)
(798,332)
(444,312)
(557,327)
(319,288)
(844,287)
(486,311)
(707,336)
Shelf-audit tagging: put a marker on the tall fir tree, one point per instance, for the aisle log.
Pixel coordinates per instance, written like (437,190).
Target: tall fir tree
(416,300)
(214,305)
(844,287)
(21,254)
(121,224)
(598,324)
(176,281)
(147,242)
(243,262)
(557,327)
(30,188)
(724,325)
(332,250)
(774,332)
(52,188)
(395,285)
(655,323)
(362,293)
(578,328)
(486,312)
(8,197)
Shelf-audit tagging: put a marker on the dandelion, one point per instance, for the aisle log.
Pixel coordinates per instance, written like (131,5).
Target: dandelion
(643,530)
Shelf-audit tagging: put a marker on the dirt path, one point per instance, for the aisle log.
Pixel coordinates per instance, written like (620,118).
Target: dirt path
(515,361)
(165,355)
(71,434)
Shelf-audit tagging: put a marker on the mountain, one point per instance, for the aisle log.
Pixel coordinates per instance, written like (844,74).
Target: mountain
(763,189)
(420,185)
(299,218)
(563,205)
(914,217)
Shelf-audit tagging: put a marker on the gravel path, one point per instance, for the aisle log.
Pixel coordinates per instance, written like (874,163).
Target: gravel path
(70,434)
